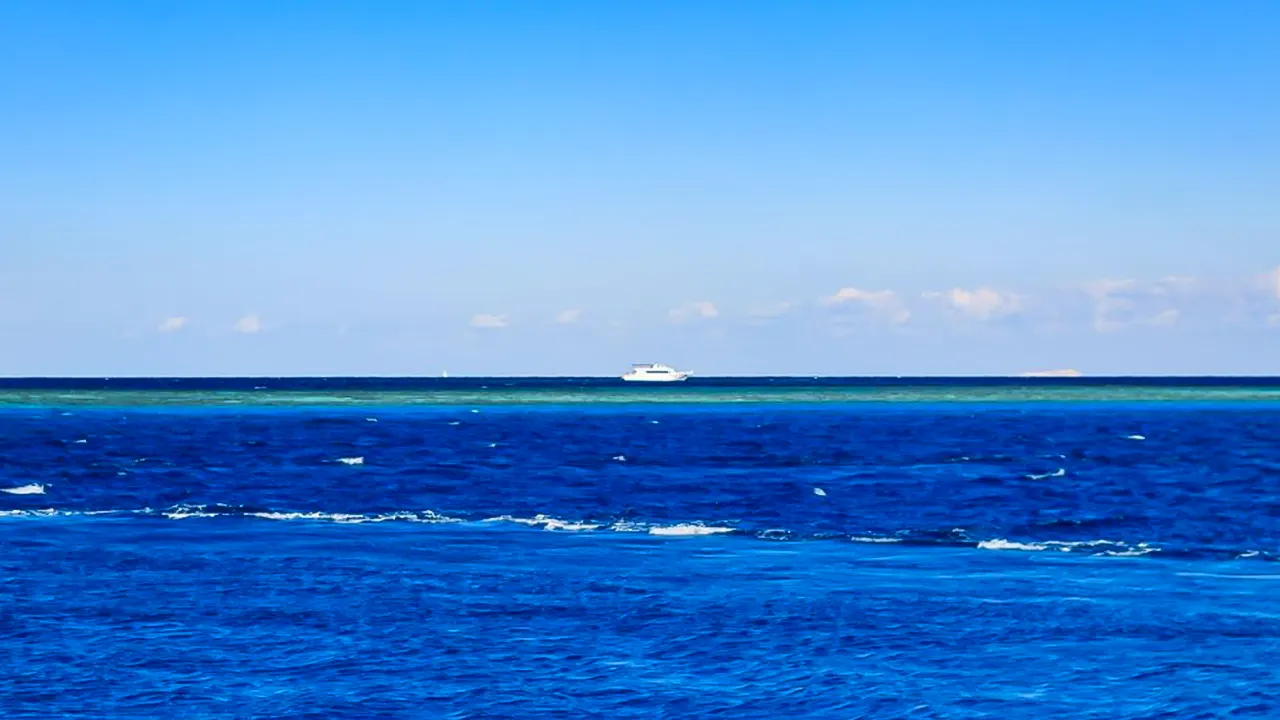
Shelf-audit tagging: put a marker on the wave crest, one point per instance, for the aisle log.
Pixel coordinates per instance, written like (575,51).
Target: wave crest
(546,522)
(952,538)
(32,489)
(688,530)
(1099,547)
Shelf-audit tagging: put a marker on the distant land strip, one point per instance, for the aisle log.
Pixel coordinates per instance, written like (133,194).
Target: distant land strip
(1052,373)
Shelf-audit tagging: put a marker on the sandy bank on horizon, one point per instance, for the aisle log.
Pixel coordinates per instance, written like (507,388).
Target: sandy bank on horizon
(1052,373)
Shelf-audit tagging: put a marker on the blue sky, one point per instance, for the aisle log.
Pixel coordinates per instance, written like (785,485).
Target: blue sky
(567,187)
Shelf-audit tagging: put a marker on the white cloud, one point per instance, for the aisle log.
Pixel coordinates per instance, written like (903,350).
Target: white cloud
(172,324)
(1107,286)
(488,321)
(701,310)
(1256,300)
(983,303)
(1110,302)
(248,325)
(770,311)
(870,297)
(1168,318)
(886,303)
(1119,304)
(1175,285)
(568,317)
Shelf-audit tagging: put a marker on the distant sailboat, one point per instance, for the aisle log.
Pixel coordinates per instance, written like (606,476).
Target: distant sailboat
(444,373)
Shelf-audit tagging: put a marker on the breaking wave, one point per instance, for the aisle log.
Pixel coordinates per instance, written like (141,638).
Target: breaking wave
(32,489)
(688,530)
(1097,547)
(952,537)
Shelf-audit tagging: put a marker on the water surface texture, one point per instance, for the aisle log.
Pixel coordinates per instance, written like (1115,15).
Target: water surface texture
(265,548)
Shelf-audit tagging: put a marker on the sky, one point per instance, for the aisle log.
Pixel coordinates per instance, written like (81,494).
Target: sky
(734,187)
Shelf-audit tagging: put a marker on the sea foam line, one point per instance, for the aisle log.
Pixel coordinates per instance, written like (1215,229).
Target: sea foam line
(32,489)
(184,512)
(874,539)
(688,530)
(1100,547)
(954,539)
(546,522)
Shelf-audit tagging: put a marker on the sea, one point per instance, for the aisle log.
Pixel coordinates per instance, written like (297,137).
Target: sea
(581,548)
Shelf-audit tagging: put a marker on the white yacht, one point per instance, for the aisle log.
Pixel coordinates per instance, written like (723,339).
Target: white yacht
(655,372)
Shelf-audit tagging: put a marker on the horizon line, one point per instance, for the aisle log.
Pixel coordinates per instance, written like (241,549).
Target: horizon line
(819,376)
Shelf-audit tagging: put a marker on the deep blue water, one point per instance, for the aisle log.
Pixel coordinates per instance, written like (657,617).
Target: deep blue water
(816,560)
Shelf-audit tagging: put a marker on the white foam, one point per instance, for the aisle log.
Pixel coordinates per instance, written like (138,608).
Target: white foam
(568,526)
(50,512)
(1135,437)
(430,517)
(1060,472)
(474,410)
(81,441)
(374,420)
(351,461)
(626,526)
(819,492)
(546,522)
(425,516)
(1009,545)
(1134,552)
(1114,549)
(874,540)
(653,422)
(455,422)
(522,521)
(337,517)
(687,530)
(183,513)
(620,458)
(46,512)
(32,489)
